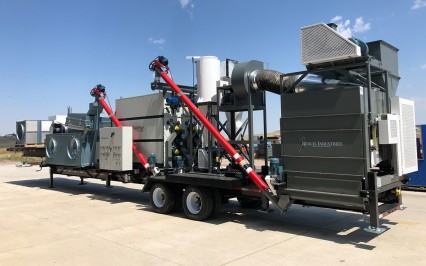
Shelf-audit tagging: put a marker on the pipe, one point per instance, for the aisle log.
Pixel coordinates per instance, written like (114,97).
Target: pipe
(269,80)
(157,67)
(117,123)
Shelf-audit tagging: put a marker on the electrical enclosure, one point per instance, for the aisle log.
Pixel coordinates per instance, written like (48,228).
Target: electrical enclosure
(115,149)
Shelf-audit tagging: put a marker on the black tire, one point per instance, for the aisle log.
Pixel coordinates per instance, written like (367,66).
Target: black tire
(217,201)
(249,203)
(197,203)
(179,194)
(162,198)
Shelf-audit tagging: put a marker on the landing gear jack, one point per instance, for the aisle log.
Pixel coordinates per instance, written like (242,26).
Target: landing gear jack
(82,181)
(51,178)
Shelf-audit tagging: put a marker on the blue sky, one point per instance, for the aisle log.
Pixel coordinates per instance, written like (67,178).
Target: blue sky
(52,52)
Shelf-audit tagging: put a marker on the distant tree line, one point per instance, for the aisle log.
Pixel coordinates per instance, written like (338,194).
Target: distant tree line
(13,135)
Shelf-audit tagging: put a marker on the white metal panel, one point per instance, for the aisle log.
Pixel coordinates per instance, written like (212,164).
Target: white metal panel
(58,118)
(31,126)
(407,148)
(145,129)
(45,125)
(147,148)
(31,138)
(389,129)
(115,148)
(147,105)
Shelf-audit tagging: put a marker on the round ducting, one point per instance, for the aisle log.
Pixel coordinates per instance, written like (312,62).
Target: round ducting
(73,148)
(57,127)
(51,148)
(20,132)
(241,83)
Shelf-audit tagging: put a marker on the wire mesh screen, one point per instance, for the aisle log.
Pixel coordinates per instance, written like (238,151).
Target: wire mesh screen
(320,43)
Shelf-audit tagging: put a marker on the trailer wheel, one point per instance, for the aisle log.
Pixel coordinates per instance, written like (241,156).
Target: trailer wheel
(178,204)
(197,203)
(217,201)
(162,198)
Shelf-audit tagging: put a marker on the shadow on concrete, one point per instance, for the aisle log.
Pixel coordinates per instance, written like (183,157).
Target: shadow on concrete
(326,224)
(94,191)
(331,225)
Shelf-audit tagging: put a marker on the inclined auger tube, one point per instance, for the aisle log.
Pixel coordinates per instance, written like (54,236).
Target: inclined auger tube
(99,93)
(158,66)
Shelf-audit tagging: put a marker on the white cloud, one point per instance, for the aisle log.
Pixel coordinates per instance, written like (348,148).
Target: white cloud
(188,6)
(184,3)
(160,41)
(360,25)
(417,4)
(336,18)
(423,66)
(344,26)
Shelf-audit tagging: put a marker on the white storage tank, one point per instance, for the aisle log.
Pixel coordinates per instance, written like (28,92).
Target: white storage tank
(208,74)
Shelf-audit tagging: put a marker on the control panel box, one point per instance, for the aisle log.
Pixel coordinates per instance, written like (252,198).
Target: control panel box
(115,148)
(389,129)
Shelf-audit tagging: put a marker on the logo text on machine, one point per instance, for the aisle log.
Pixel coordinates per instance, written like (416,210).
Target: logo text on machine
(320,144)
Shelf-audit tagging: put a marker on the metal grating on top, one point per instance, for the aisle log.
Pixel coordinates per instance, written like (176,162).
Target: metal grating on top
(319,43)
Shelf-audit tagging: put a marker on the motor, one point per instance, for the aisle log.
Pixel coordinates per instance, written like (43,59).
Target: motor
(57,128)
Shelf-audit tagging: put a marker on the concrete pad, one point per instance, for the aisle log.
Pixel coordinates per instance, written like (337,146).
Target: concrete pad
(81,250)
(94,225)
(201,243)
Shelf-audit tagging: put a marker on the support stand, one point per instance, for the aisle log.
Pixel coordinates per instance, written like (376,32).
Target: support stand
(264,207)
(51,178)
(108,182)
(82,181)
(373,205)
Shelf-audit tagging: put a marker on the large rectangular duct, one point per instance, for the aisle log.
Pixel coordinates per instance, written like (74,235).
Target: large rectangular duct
(31,132)
(70,149)
(388,57)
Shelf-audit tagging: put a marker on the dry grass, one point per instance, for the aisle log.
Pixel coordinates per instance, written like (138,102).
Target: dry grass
(10,155)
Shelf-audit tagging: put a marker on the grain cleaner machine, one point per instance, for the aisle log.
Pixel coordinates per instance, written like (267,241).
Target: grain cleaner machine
(347,140)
